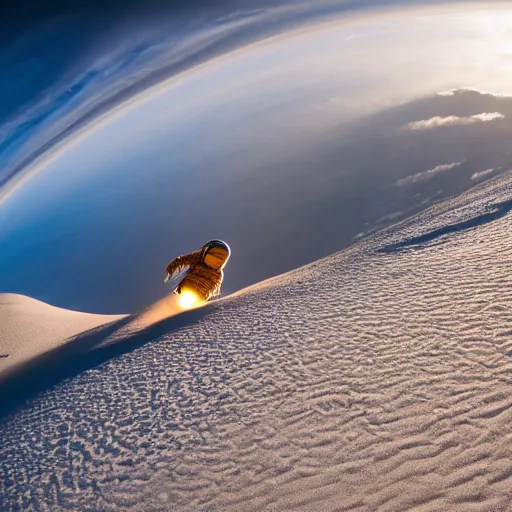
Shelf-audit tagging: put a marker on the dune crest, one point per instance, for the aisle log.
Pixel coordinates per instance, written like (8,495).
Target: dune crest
(29,327)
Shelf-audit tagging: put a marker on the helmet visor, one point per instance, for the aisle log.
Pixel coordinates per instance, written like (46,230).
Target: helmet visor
(216,254)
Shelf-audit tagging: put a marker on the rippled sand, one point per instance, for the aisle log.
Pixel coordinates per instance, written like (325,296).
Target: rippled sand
(379,378)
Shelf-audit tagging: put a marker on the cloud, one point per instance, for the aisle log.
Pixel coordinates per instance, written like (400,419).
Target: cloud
(421,176)
(481,174)
(465,90)
(436,122)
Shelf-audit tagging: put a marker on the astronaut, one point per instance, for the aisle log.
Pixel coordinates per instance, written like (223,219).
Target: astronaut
(204,276)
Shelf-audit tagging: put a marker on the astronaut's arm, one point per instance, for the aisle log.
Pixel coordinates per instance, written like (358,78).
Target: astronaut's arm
(181,263)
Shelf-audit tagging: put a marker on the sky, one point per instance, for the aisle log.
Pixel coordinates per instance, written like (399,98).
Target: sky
(290,139)
(115,50)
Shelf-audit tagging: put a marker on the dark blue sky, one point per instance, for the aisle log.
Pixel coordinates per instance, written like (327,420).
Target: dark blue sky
(290,149)
(65,63)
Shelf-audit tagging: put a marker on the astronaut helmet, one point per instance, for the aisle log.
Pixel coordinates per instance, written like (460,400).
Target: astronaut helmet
(215,254)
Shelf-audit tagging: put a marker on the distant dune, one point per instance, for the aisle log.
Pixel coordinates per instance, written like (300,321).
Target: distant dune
(29,327)
(378,379)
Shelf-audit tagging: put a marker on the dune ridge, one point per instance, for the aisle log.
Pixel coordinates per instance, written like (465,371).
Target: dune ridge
(29,327)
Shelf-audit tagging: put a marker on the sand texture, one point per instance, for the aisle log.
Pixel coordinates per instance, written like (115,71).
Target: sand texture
(378,379)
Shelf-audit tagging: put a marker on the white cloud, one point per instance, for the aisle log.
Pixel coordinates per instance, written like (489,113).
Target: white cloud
(436,122)
(481,174)
(487,116)
(421,176)
(451,92)
(463,90)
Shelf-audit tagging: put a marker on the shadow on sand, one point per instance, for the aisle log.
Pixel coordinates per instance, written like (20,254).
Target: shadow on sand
(497,211)
(85,351)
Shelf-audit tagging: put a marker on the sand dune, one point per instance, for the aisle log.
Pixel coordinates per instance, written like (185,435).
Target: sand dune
(29,327)
(376,379)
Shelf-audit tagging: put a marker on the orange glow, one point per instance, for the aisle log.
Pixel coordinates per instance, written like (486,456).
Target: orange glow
(187,299)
